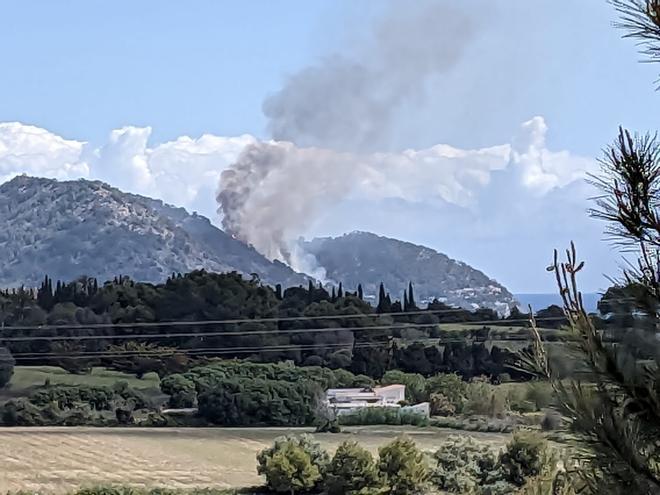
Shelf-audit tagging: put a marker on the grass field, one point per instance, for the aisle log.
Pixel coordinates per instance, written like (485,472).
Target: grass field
(27,377)
(54,460)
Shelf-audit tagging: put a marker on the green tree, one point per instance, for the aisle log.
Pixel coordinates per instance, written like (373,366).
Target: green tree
(293,464)
(403,467)
(352,471)
(615,417)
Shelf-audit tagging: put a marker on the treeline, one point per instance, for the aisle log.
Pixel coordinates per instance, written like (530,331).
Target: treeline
(140,327)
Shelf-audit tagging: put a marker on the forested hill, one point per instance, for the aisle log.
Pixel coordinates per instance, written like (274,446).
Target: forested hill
(73,228)
(369,259)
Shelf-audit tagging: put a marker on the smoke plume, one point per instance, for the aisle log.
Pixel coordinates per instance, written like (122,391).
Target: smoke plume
(328,116)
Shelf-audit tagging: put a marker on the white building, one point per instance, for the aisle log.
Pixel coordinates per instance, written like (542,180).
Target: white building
(348,400)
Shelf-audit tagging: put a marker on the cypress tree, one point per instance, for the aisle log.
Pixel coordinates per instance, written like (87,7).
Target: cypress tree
(405,300)
(411,298)
(360,294)
(333,297)
(278,292)
(381,299)
(340,291)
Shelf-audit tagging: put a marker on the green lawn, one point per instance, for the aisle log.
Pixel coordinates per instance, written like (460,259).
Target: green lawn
(27,377)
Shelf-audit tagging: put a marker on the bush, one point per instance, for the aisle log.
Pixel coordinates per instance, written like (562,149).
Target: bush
(441,406)
(383,416)
(293,464)
(540,394)
(465,466)
(352,471)
(551,421)
(451,386)
(99,398)
(484,399)
(180,389)
(403,467)
(527,455)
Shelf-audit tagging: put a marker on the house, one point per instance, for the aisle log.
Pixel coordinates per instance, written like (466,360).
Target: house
(348,400)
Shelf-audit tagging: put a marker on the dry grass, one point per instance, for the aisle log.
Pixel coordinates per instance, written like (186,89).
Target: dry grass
(55,460)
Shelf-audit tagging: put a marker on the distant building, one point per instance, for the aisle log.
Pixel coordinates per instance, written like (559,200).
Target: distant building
(349,400)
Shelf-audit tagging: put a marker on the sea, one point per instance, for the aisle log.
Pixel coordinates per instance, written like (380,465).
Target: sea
(542,301)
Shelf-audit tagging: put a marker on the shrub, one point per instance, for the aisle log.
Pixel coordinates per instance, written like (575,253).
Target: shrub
(540,394)
(451,386)
(441,406)
(352,471)
(180,389)
(293,464)
(99,398)
(403,467)
(464,466)
(482,398)
(517,399)
(551,421)
(527,455)
(383,416)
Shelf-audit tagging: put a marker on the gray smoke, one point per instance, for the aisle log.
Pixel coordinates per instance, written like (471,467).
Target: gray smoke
(275,191)
(350,102)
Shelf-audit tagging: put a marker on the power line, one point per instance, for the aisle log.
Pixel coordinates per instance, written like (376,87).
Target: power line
(230,321)
(392,326)
(212,351)
(275,319)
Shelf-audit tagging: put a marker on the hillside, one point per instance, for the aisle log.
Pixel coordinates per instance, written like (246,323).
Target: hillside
(362,257)
(73,228)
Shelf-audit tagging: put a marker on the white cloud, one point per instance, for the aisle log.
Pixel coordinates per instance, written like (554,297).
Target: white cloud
(177,171)
(26,149)
(519,190)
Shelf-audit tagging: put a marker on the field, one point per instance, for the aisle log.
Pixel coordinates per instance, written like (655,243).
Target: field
(55,460)
(26,378)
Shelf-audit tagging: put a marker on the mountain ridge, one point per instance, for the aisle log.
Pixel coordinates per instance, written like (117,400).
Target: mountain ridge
(71,228)
(358,256)
(67,229)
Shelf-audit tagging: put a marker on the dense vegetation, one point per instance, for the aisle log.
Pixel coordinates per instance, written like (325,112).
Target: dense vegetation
(139,327)
(460,465)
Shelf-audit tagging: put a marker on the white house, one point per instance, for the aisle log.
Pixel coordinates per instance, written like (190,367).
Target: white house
(347,400)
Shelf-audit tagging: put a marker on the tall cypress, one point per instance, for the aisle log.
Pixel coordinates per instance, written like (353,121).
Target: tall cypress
(360,294)
(405,301)
(411,297)
(381,299)
(340,291)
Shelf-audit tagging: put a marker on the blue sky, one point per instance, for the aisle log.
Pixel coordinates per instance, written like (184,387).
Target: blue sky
(81,69)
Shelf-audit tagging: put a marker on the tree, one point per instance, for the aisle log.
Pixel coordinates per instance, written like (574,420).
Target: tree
(615,418)
(411,298)
(293,464)
(352,471)
(403,467)
(360,293)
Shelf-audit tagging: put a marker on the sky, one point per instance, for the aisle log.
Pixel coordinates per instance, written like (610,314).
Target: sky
(482,156)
